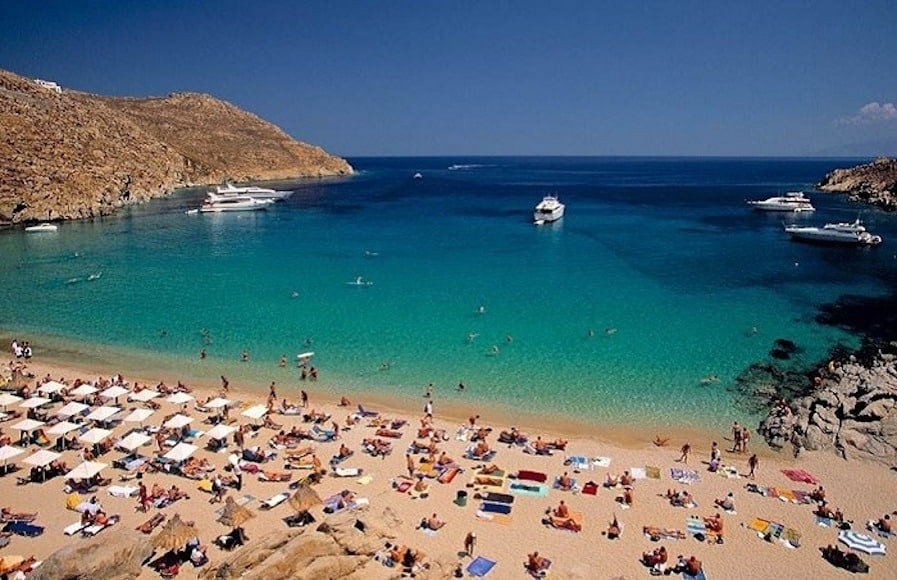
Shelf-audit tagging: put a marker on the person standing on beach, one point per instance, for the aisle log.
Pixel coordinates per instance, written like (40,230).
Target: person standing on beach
(470,543)
(752,463)
(745,439)
(409,463)
(238,473)
(224,383)
(239,438)
(272,392)
(736,437)
(303,397)
(428,409)
(686,449)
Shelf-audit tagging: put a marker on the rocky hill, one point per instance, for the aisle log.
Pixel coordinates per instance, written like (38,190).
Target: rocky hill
(874,183)
(73,155)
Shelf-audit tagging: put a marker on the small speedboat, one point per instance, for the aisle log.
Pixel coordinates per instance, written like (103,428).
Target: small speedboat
(44,227)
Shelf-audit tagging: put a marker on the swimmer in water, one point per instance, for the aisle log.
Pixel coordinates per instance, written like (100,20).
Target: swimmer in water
(590,333)
(509,339)
(472,337)
(708,380)
(295,294)
(495,350)
(481,309)
(610,331)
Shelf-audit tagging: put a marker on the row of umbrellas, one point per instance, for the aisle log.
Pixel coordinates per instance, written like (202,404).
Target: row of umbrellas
(175,533)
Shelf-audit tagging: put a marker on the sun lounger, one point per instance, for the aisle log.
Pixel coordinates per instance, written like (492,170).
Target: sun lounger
(97,528)
(273,476)
(480,567)
(149,525)
(275,500)
(23,529)
(73,529)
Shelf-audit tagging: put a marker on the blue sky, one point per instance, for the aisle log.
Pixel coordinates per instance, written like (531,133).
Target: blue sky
(520,77)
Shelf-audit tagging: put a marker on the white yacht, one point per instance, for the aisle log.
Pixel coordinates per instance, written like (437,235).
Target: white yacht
(44,227)
(548,210)
(793,201)
(216,203)
(836,233)
(229,190)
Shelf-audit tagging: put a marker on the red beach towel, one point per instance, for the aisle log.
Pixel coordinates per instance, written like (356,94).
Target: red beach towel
(536,476)
(800,475)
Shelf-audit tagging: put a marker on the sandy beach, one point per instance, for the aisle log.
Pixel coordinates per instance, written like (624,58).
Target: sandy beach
(860,490)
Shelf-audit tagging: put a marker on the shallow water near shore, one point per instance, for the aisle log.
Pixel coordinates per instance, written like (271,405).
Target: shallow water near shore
(658,278)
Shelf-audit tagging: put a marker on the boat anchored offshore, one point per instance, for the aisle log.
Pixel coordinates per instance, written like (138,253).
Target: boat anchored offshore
(793,201)
(44,227)
(217,203)
(550,209)
(230,190)
(835,233)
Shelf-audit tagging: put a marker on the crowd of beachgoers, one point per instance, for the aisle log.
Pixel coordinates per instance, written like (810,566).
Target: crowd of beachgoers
(85,453)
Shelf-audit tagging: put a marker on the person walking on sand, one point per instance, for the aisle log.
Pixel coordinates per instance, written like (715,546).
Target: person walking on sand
(686,449)
(470,543)
(752,464)
(409,463)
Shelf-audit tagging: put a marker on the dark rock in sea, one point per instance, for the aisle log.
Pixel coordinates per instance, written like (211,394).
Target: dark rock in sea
(786,346)
(780,354)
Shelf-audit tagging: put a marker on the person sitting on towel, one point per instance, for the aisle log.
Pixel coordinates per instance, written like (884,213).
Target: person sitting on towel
(693,566)
(562,511)
(535,562)
(432,523)
(421,486)
(727,503)
(818,494)
(613,530)
(626,479)
(884,524)
(565,482)
(714,524)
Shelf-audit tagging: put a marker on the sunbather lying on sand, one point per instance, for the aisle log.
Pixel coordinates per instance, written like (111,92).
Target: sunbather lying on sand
(614,529)
(7,515)
(656,533)
(727,503)
(680,498)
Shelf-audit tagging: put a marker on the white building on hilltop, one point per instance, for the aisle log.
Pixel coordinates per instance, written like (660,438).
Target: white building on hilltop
(50,85)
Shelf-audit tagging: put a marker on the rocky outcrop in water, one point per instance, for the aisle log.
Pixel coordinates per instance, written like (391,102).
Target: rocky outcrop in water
(852,411)
(873,183)
(69,155)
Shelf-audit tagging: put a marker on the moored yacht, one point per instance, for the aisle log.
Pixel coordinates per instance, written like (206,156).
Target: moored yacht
(793,201)
(836,233)
(217,203)
(44,227)
(230,190)
(548,210)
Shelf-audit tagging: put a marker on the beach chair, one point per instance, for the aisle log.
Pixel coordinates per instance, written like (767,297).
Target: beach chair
(321,435)
(275,500)
(346,471)
(73,529)
(151,524)
(97,528)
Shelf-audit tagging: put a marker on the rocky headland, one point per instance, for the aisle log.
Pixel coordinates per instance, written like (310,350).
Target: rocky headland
(70,155)
(873,183)
(850,410)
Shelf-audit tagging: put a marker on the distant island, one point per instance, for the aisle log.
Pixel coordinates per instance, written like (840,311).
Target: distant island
(873,183)
(70,155)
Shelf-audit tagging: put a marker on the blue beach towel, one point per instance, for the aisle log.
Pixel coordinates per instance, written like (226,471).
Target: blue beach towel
(695,526)
(495,508)
(24,529)
(528,488)
(699,576)
(480,567)
(578,462)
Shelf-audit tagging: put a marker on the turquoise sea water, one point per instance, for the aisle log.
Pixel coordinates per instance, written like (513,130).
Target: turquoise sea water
(663,251)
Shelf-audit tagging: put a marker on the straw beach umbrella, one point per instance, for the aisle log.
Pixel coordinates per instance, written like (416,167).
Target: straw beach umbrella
(174,534)
(234,514)
(305,498)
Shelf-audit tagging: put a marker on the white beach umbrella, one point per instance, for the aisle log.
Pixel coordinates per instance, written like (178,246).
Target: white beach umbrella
(179,398)
(73,408)
(102,413)
(114,392)
(133,441)
(95,435)
(7,399)
(42,458)
(27,425)
(220,431)
(7,452)
(35,402)
(61,428)
(145,395)
(138,416)
(181,451)
(177,421)
(86,470)
(861,542)
(84,390)
(255,412)
(51,387)
(218,403)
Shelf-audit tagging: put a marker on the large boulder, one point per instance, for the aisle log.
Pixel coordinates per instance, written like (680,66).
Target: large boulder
(114,555)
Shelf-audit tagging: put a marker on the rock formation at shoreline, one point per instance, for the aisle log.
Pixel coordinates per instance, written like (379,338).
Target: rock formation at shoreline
(852,411)
(873,183)
(69,155)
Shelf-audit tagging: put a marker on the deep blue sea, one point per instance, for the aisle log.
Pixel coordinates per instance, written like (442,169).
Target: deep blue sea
(659,276)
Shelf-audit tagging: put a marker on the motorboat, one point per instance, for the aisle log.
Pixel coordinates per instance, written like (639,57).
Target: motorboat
(837,233)
(360,282)
(548,210)
(793,201)
(230,190)
(44,227)
(418,176)
(216,203)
